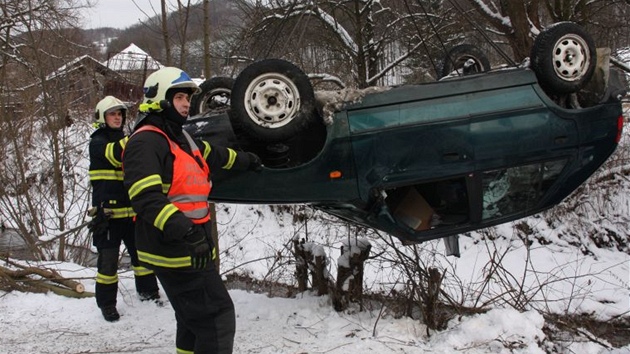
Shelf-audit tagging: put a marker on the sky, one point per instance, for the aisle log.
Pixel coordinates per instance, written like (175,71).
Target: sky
(118,13)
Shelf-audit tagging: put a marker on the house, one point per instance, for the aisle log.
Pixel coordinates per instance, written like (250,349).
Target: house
(134,65)
(80,82)
(85,79)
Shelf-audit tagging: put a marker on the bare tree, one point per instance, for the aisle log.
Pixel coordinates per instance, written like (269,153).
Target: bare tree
(206,38)
(183,15)
(41,97)
(176,20)
(365,39)
(165,34)
(367,42)
(520,21)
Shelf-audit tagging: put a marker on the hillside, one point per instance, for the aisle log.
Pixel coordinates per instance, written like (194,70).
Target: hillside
(148,35)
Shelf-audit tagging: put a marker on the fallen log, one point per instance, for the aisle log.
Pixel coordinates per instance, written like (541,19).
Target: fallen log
(59,290)
(24,273)
(47,274)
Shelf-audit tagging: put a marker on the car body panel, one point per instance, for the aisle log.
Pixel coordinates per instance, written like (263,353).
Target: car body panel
(427,161)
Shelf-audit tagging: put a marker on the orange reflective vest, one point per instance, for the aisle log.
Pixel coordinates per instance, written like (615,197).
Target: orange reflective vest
(191,183)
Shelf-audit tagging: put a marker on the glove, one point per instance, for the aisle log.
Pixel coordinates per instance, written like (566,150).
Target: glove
(198,247)
(99,222)
(254,162)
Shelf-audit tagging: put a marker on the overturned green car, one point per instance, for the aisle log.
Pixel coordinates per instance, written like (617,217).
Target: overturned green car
(422,162)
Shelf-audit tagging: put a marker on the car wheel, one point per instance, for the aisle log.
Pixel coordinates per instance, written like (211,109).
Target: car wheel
(464,59)
(215,95)
(272,101)
(563,57)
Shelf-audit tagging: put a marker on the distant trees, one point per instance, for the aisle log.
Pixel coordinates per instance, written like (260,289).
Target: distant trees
(363,42)
(180,20)
(182,24)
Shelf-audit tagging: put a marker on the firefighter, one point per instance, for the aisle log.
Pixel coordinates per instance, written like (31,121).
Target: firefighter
(112,221)
(167,174)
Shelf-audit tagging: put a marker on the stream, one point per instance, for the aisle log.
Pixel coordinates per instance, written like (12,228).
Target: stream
(13,244)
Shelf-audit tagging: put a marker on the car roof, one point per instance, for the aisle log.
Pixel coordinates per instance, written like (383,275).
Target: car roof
(470,83)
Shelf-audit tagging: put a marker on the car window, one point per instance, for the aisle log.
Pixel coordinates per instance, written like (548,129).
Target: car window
(430,206)
(516,189)
(447,203)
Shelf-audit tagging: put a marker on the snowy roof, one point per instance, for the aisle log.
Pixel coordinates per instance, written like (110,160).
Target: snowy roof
(75,64)
(132,58)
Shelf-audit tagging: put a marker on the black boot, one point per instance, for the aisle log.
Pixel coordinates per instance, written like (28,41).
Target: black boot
(110,313)
(151,296)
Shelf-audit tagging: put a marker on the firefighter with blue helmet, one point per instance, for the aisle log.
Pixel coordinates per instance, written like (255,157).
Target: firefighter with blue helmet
(167,174)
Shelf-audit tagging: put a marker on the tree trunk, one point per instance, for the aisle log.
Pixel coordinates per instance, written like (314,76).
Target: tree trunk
(165,35)
(361,55)
(66,292)
(206,39)
(430,301)
(215,236)
(320,280)
(184,15)
(519,38)
(301,265)
(349,287)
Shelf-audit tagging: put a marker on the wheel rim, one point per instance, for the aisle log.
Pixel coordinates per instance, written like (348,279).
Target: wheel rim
(571,57)
(470,64)
(215,99)
(272,100)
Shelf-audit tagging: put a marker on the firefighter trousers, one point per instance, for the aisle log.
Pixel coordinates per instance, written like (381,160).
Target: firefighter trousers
(203,307)
(108,246)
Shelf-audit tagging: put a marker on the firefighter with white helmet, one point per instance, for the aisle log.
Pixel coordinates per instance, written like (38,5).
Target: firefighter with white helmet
(167,174)
(112,221)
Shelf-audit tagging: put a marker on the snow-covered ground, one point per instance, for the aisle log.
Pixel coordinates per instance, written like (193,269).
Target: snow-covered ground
(574,283)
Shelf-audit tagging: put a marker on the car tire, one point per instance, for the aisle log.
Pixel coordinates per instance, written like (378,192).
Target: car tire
(465,57)
(272,101)
(215,95)
(563,57)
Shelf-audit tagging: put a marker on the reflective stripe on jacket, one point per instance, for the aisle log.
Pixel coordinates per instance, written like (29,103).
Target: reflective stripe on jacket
(105,172)
(191,183)
(149,164)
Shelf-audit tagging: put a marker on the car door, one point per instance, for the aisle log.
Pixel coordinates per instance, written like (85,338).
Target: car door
(432,161)
(416,137)
(521,148)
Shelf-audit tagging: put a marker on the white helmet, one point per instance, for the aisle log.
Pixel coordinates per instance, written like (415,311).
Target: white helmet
(156,85)
(107,104)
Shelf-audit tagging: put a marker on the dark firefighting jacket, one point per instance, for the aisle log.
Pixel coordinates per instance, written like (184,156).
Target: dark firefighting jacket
(149,159)
(106,176)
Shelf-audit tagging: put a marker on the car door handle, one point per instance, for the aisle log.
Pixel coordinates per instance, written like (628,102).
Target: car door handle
(452,156)
(561,140)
